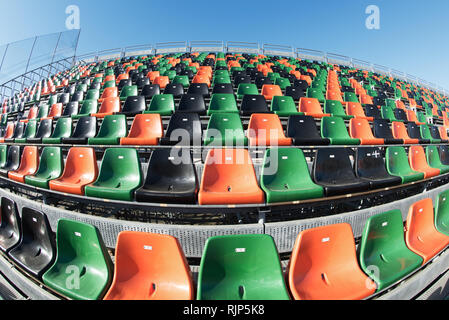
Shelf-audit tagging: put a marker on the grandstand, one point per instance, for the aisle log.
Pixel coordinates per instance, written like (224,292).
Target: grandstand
(203,171)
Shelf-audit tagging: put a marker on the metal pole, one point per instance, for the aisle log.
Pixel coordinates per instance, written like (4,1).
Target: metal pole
(76,47)
(28,63)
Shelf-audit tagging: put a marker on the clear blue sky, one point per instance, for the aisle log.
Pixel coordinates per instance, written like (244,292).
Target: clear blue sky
(413,35)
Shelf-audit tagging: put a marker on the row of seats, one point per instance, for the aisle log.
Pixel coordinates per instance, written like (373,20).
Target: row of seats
(324,264)
(228,176)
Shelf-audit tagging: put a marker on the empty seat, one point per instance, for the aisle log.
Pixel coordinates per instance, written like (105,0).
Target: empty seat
(383,246)
(253,104)
(381,129)
(63,129)
(241,267)
(332,169)
(421,235)
(223,88)
(43,131)
(150,266)
(334,129)
(324,266)
(266,130)
(183,128)
(285,177)
(109,106)
(222,102)
(229,178)
(360,129)
(9,224)
(50,167)
(433,159)
(12,160)
(373,112)
(269,91)
(8,133)
(284,106)
(70,109)
(370,166)
(427,135)
(164,104)
(303,130)
(36,250)
(225,129)
(199,88)
(418,162)
(311,107)
(442,213)
(128,91)
(171,178)
(150,90)
(415,133)
(28,164)
(3,154)
(110,92)
(111,130)
(119,176)
(435,133)
(89,107)
(335,108)
(400,132)
(146,129)
(175,89)
(192,103)
(398,165)
(86,127)
(80,170)
(356,110)
(81,251)
(18,133)
(55,111)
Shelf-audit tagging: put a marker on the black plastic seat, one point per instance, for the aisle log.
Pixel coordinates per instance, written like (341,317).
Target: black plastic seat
(415,133)
(381,129)
(372,111)
(18,133)
(43,131)
(142,82)
(223,88)
(444,154)
(64,98)
(70,89)
(169,182)
(10,224)
(183,128)
(133,105)
(70,109)
(301,84)
(304,131)
(260,81)
(295,92)
(241,79)
(95,86)
(78,96)
(150,90)
(36,249)
(192,103)
(253,103)
(332,169)
(12,160)
(400,115)
(199,88)
(86,128)
(176,89)
(434,132)
(370,166)
(124,83)
(188,73)
(378,101)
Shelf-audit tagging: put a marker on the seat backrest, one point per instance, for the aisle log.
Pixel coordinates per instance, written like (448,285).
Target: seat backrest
(13,157)
(109,92)
(86,127)
(302,127)
(70,109)
(30,160)
(192,103)
(399,130)
(370,162)
(120,165)
(253,104)
(268,125)
(150,90)
(51,163)
(442,212)
(9,224)
(89,107)
(372,111)
(334,127)
(225,129)
(310,105)
(413,131)
(222,102)
(435,133)
(110,105)
(146,126)
(382,129)
(186,126)
(19,130)
(360,129)
(81,165)
(63,128)
(55,110)
(331,165)
(113,125)
(45,128)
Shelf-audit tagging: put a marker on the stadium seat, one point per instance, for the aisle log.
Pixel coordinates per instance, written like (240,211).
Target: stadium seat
(163,104)
(89,107)
(400,133)
(335,108)
(435,134)
(316,93)
(370,166)
(28,164)
(266,130)
(334,129)
(381,129)
(146,129)
(111,130)
(119,176)
(150,266)
(284,106)
(150,91)
(10,230)
(36,250)
(9,132)
(128,91)
(110,92)
(360,129)
(86,127)
(229,178)
(383,246)
(332,169)
(415,133)
(372,111)
(426,134)
(199,88)
(222,102)
(411,117)
(269,91)
(55,111)
(324,266)
(225,129)
(183,128)
(32,114)
(80,170)
(80,249)
(50,167)
(246,89)
(442,213)
(109,106)
(304,132)
(19,130)
(12,160)
(398,165)
(421,235)
(175,89)
(3,154)
(418,162)
(43,131)
(63,129)
(70,109)
(253,104)
(311,107)
(192,103)
(169,179)
(285,177)
(241,267)
(434,161)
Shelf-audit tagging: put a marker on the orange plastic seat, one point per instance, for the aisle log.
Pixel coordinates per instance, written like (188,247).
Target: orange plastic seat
(360,129)
(311,107)
(9,132)
(123,76)
(152,75)
(400,105)
(355,109)
(146,129)
(55,111)
(28,164)
(110,92)
(150,267)
(80,170)
(333,95)
(324,266)
(400,132)
(201,79)
(108,107)
(229,178)
(418,162)
(443,133)
(162,81)
(32,114)
(271,90)
(411,116)
(366,99)
(110,77)
(266,130)
(421,235)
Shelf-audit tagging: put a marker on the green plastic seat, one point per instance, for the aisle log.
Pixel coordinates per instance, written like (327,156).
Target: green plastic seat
(88,107)
(433,159)
(388,114)
(246,88)
(390,103)
(109,84)
(335,108)
(83,268)
(3,151)
(442,212)
(184,80)
(63,129)
(334,129)
(316,93)
(54,99)
(284,106)
(81,87)
(92,94)
(426,135)
(221,80)
(50,167)
(398,165)
(171,74)
(128,91)
(112,129)
(351,97)
(222,102)
(225,129)
(384,255)
(30,132)
(120,175)
(283,83)
(241,267)
(42,111)
(285,177)
(163,104)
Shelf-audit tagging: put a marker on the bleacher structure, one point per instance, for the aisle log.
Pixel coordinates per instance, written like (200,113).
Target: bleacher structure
(194,172)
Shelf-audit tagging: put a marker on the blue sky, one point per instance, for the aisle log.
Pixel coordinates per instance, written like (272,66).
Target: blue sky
(413,35)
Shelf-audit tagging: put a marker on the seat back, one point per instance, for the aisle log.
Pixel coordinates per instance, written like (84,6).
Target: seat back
(253,104)
(185,128)
(55,110)
(50,163)
(9,224)
(146,126)
(86,127)
(44,129)
(332,165)
(222,102)
(89,107)
(63,128)
(442,212)
(360,129)
(382,129)
(225,129)
(192,103)
(310,106)
(70,109)
(266,129)
(113,126)
(110,105)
